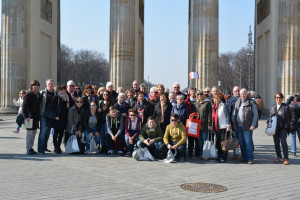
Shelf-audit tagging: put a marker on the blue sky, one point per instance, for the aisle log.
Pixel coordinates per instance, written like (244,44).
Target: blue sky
(85,25)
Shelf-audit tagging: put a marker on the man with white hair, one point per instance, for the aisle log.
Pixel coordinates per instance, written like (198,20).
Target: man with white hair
(176,89)
(135,86)
(45,119)
(71,91)
(112,92)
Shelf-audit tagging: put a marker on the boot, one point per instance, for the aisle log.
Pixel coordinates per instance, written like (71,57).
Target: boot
(278,160)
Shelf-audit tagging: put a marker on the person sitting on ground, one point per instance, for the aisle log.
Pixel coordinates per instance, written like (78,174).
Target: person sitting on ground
(115,128)
(92,125)
(175,138)
(133,126)
(151,137)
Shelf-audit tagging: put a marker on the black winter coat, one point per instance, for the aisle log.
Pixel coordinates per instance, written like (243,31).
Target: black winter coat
(61,110)
(295,110)
(157,115)
(86,118)
(284,116)
(31,108)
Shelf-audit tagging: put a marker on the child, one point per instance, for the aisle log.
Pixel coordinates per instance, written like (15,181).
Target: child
(115,127)
(20,118)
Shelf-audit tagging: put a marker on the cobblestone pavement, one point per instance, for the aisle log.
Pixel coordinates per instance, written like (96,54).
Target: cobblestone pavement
(64,176)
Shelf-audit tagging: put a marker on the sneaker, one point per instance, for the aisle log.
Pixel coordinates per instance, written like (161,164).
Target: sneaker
(222,161)
(129,154)
(120,153)
(278,160)
(110,152)
(286,162)
(88,152)
(16,131)
(250,162)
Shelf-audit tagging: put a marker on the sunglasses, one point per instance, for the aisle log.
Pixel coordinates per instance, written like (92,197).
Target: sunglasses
(206,91)
(72,85)
(236,91)
(173,120)
(176,87)
(132,115)
(78,101)
(36,84)
(278,97)
(200,94)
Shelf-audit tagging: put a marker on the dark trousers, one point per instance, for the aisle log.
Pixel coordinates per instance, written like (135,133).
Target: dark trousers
(193,143)
(57,138)
(181,149)
(281,135)
(220,138)
(114,145)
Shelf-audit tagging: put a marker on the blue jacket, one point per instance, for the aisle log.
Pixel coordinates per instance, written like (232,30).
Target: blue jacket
(182,111)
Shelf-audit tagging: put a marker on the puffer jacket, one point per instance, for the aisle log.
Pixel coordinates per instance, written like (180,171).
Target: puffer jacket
(284,116)
(182,111)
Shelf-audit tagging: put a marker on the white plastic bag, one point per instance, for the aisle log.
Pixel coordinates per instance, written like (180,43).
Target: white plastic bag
(170,157)
(93,146)
(72,144)
(142,154)
(271,125)
(209,150)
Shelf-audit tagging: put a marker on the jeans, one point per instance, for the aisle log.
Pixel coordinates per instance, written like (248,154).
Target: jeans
(153,148)
(202,137)
(281,135)
(246,142)
(45,128)
(293,140)
(96,138)
(103,132)
(235,135)
(130,146)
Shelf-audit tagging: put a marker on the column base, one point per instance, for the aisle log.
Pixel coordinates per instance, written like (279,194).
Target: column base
(8,110)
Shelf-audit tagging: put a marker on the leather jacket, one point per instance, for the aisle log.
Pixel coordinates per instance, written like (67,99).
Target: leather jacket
(284,116)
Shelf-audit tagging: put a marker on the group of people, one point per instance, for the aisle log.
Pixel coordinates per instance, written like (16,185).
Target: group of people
(120,121)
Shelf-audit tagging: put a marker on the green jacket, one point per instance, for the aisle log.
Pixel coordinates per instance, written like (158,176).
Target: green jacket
(204,111)
(155,133)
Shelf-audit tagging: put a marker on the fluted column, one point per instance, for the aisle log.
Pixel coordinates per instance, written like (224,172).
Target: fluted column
(288,76)
(204,42)
(13,52)
(126,28)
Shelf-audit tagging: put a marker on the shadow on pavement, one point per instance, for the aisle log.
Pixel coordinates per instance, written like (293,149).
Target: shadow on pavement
(10,138)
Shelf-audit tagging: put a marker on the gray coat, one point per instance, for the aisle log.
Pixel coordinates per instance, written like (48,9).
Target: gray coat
(75,117)
(250,114)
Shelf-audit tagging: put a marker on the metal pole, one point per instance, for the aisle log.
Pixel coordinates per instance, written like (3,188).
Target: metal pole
(249,54)
(249,71)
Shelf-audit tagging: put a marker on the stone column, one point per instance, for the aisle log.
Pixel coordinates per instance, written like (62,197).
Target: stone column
(204,42)
(13,52)
(288,76)
(125,22)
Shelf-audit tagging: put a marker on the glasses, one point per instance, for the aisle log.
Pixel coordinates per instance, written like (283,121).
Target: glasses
(36,84)
(206,91)
(176,87)
(278,97)
(78,101)
(71,85)
(236,91)
(173,120)
(132,115)
(77,88)
(200,94)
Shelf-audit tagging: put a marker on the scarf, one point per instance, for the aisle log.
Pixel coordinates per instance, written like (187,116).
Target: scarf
(64,96)
(73,96)
(163,109)
(215,117)
(140,110)
(152,98)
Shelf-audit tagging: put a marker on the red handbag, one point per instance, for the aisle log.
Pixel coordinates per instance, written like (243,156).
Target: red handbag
(193,125)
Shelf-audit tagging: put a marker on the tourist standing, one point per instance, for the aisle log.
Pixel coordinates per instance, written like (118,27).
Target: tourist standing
(31,111)
(284,116)
(245,121)
(20,117)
